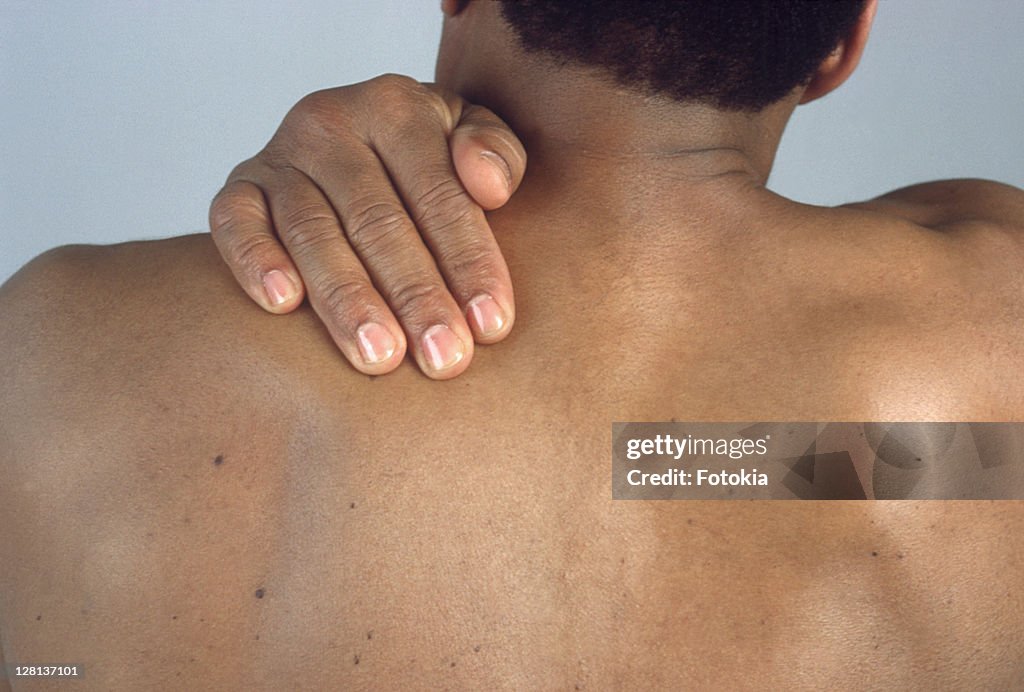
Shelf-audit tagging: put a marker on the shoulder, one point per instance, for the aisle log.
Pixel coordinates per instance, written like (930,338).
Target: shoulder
(965,236)
(947,204)
(142,339)
(75,307)
(941,294)
(155,337)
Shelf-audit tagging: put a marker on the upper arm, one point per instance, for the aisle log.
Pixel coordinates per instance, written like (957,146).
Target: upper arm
(981,223)
(31,303)
(37,305)
(950,204)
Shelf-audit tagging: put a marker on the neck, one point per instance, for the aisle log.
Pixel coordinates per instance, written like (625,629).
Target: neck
(573,115)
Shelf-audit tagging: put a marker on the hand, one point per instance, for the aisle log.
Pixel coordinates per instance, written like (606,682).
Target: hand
(370,199)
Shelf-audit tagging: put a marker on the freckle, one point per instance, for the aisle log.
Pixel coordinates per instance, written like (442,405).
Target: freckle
(689,521)
(899,556)
(622,560)
(762,621)
(355,660)
(453,664)
(352,505)
(39,617)
(191,660)
(174,617)
(874,553)
(476,649)
(260,592)
(218,460)
(369,635)
(257,637)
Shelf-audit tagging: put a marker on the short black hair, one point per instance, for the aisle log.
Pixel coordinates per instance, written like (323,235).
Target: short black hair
(732,54)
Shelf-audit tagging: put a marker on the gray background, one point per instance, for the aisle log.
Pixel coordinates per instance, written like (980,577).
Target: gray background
(120,119)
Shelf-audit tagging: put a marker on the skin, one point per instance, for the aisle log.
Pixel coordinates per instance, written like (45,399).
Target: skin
(195,494)
(380,221)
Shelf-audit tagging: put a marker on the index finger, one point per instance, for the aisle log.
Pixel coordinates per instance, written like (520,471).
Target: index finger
(419,162)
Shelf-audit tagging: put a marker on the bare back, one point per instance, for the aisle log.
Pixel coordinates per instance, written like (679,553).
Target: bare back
(195,491)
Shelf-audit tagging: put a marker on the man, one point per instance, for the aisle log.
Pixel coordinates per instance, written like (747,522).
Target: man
(196,492)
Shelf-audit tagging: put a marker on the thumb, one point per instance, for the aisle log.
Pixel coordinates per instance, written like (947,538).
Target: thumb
(489,159)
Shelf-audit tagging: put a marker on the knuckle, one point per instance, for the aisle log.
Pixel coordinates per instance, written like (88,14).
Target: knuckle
(235,204)
(396,83)
(376,223)
(243,173)
(418,297)
(342,296)
(312,103)
(317,114)
(471,261)
(447,222)
(442,205)
(394,93)
(252,251)
(407,101)
(308,226)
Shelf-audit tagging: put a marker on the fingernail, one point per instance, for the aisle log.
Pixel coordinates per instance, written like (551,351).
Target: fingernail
(375,343)
(501,164)
(278,286)
(486,315)
(442,348)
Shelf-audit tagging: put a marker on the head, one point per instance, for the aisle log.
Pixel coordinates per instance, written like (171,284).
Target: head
(734,55)
(738,55)
(651,76)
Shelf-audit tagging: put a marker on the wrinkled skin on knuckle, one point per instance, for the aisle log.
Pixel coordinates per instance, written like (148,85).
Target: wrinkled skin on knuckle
(308,227)
(390,82)
(443,205)
(342,297)
(408,104)
(376,226)
(243,172)
(443,222)
(320,115)
(251,252)
(235,204)
(417,298)
(470,264)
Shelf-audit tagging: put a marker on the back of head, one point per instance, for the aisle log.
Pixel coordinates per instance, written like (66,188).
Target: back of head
(731,54)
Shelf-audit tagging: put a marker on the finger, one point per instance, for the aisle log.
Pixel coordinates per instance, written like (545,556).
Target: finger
(379,229)
(453,226)
(243,233)
(339,288)
(488,157)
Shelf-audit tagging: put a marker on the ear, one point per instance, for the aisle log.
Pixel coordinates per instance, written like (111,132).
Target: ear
(841,63)
(453,7)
